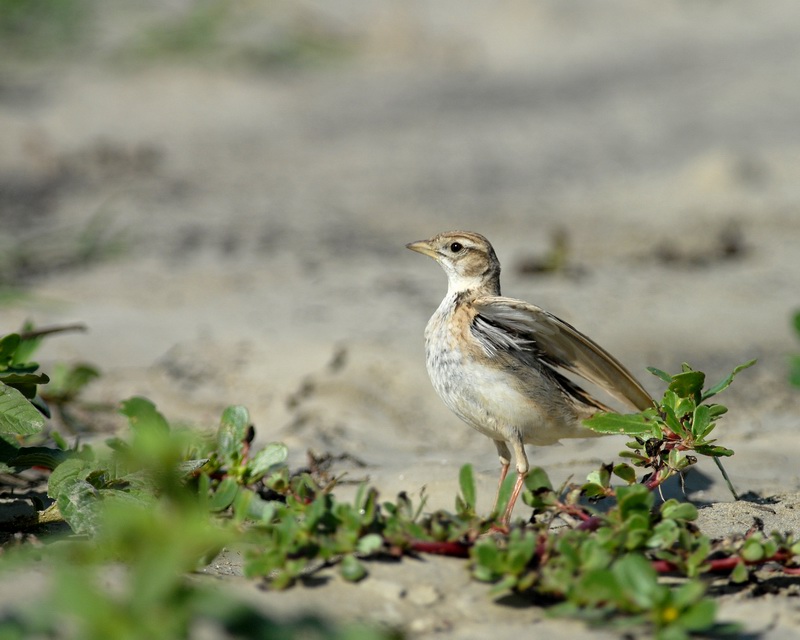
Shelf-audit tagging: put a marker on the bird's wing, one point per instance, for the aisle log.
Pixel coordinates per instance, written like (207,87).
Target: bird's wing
(506,323)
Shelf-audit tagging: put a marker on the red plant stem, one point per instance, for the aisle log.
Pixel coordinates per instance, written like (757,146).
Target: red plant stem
(590,524)
(654,481)
(578,512)
(726,565)
(452,549)
(664,566)
(719,565)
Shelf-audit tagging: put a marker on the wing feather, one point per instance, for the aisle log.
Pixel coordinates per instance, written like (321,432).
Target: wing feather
(507,323)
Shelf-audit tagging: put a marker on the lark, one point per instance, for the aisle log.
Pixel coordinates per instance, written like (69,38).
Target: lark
(499,363)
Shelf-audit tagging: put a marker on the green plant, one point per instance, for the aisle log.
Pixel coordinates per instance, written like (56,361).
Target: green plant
(211,31)
(22,410)
(147,511)
(162,501)
(62,394)
(30,28)
(794,361)
(665,437)
(195,32)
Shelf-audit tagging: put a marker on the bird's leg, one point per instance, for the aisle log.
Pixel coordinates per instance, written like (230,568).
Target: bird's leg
(505,463)
(522,471)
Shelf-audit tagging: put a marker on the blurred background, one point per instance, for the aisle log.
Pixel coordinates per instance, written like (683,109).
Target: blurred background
(222,191)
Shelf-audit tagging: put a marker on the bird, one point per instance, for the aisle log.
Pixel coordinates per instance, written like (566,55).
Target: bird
(500,364)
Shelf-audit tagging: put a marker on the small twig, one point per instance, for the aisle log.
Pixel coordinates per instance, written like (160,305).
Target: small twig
(44,331)
(727,479)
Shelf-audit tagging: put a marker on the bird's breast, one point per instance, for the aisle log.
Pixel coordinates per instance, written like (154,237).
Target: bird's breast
(486,394)
(480,394)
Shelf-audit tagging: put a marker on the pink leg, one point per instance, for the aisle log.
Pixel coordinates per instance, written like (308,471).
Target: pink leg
(514,495)
(505,463)
(522,472)
(503,473)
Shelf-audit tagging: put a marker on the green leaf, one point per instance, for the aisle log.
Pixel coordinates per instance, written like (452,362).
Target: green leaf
(660,374)
(674,510)
(684,408)
(753,550)
(232,432)
(630,424)
(14,379)
(266,460)
(601,476)
(143,415)
(796,323)
(688,384)
(701,421)
(466,482)
(224,495)
(45,457)
(598,586)
(67,381)
(351,569)
(716,410)
(626,472)
(770,547)
(8,345)
(634,498)
(665,534)
(79,506)
(242,502)
(639,579)
(76,498)
(740,573)
(370,544)
(713,450)
(537,479)
(18,417)
(538,492)
(486,558)
(504,494)
(794,371)
(521,550)
(259,509)
(67,472)
(699,616)
(697,560)
(26,348)
(504,586)
(726,382)
(678,460)
(593,490)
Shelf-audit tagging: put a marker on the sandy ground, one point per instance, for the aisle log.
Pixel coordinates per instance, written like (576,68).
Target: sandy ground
(263,215)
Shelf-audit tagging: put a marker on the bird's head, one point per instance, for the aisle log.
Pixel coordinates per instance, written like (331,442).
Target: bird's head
(467,258)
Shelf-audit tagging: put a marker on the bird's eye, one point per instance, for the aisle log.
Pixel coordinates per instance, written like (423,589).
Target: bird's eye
(456,247)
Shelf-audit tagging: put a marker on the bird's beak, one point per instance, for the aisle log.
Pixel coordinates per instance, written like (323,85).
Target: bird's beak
(424,247)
